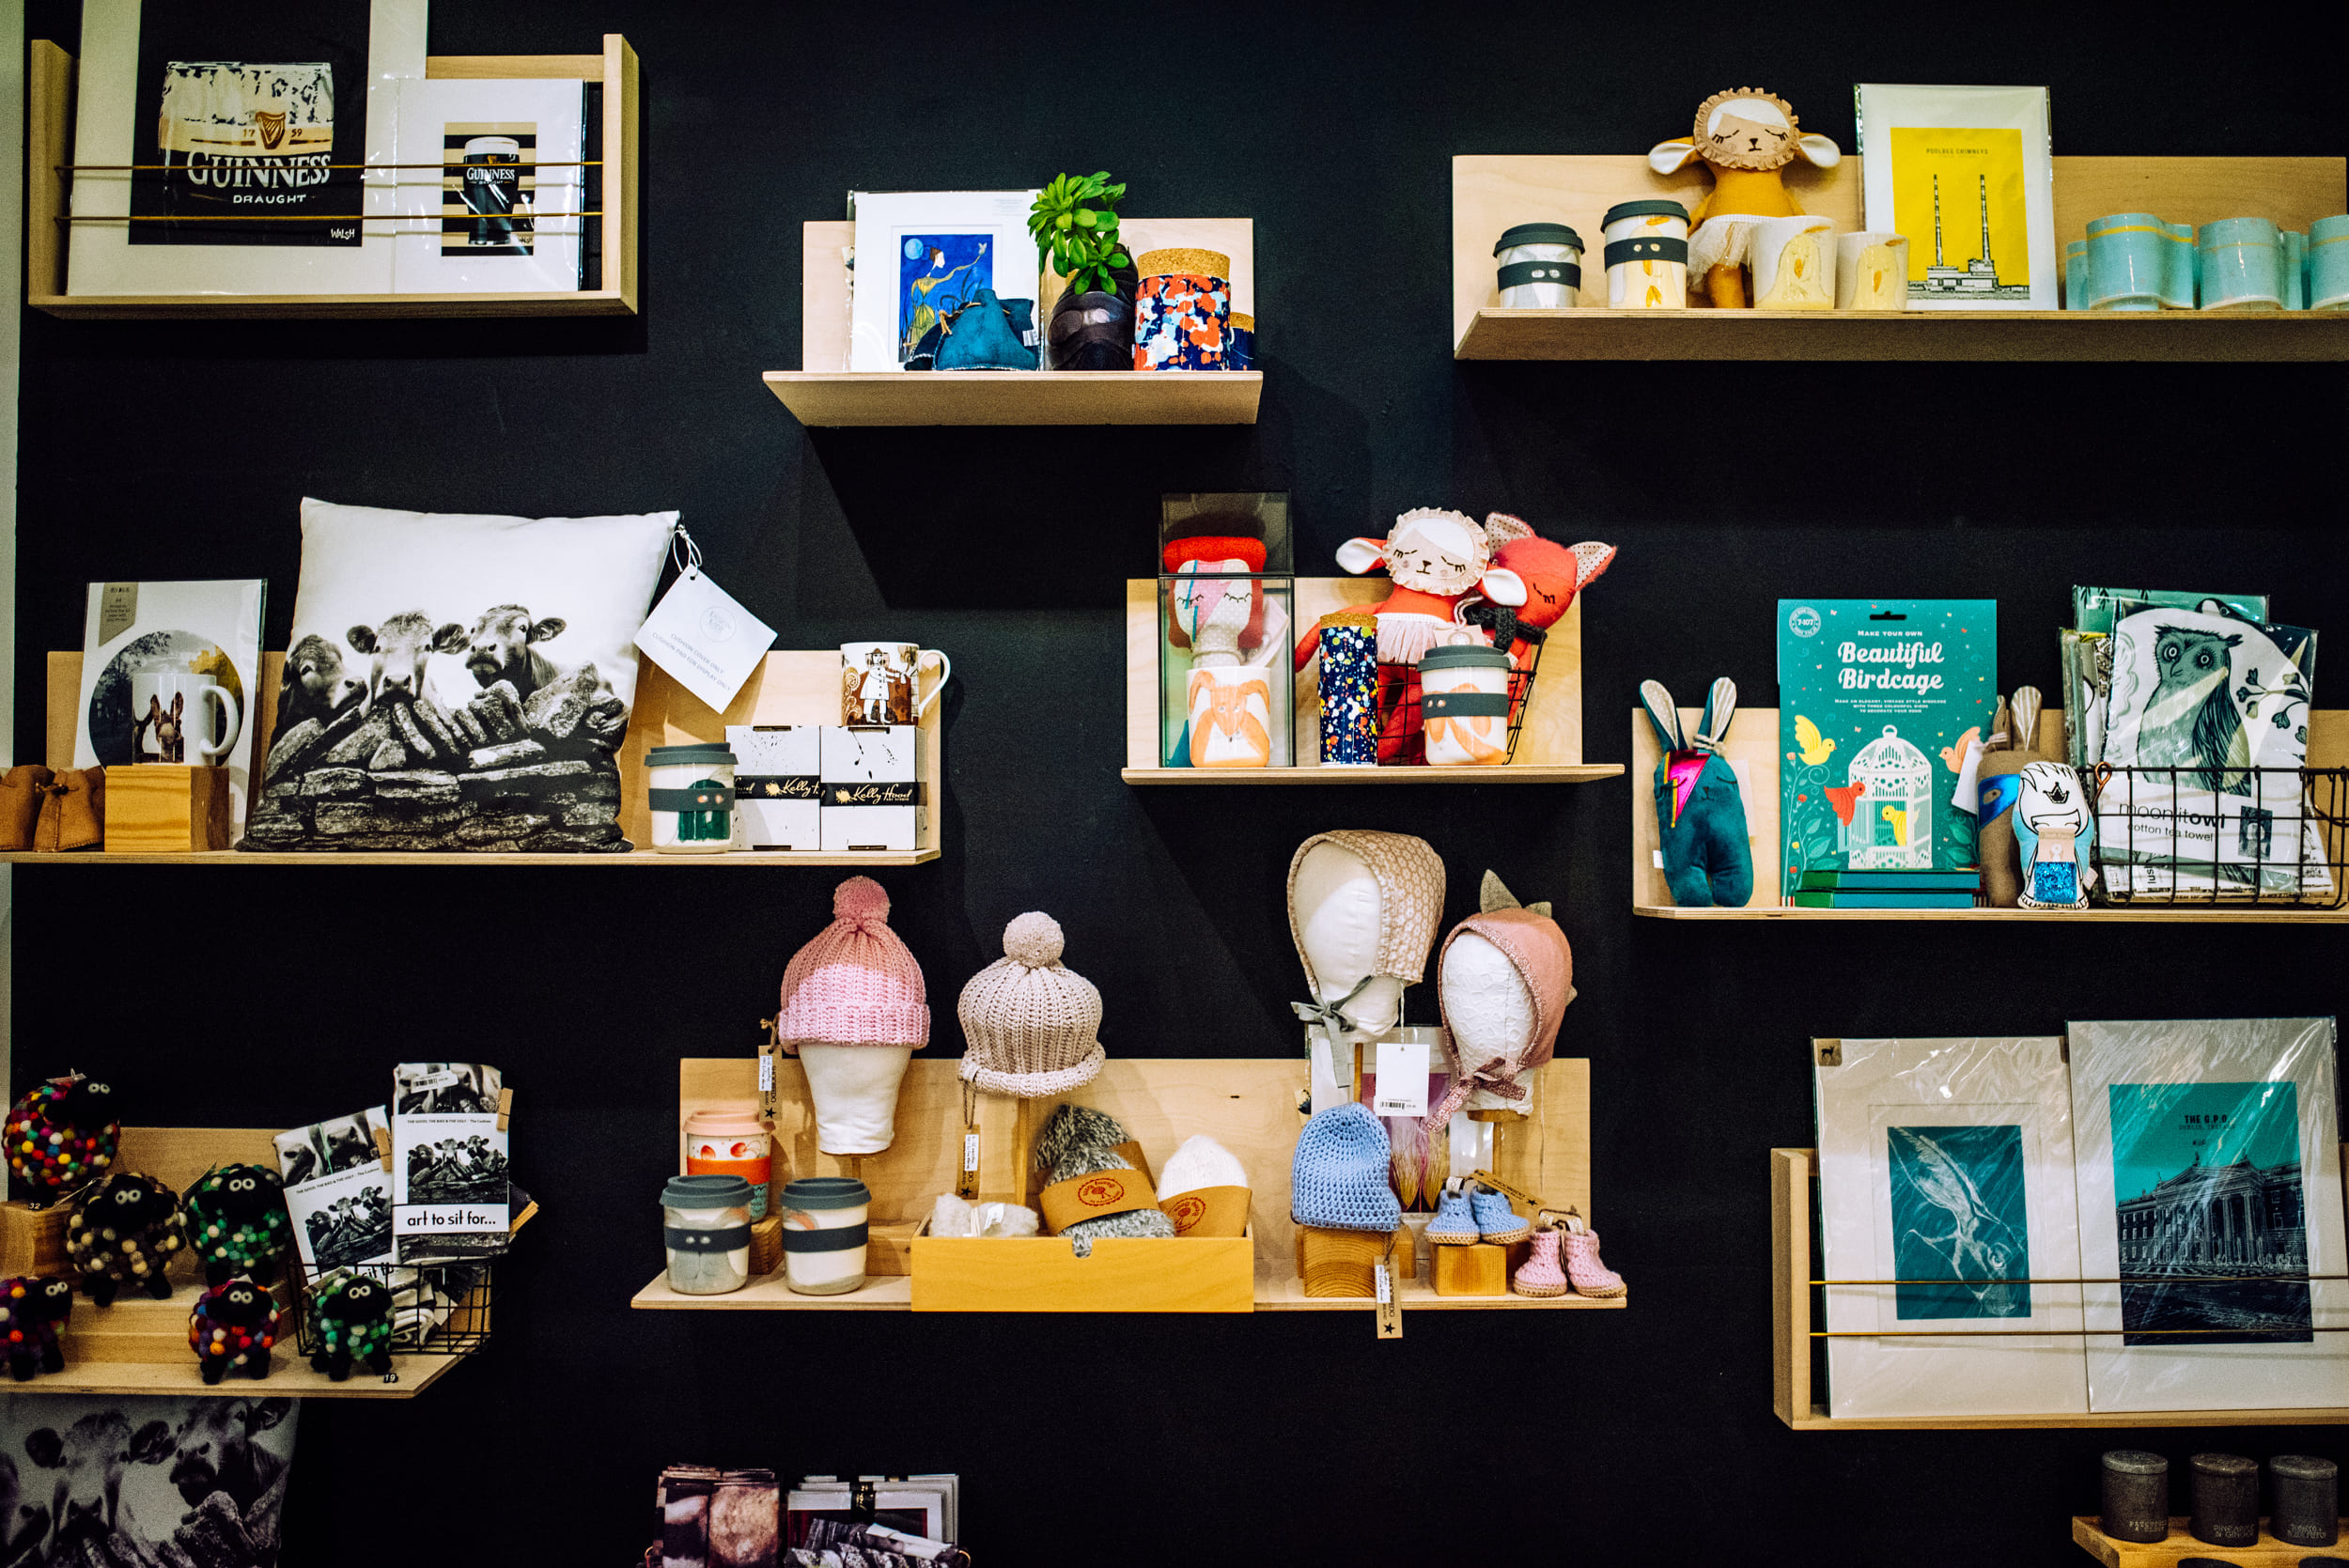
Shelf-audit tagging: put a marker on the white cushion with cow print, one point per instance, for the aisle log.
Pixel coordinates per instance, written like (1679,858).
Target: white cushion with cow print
(456,682)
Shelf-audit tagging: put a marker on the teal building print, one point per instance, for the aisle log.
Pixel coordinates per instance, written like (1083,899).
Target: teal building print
(1959,1216)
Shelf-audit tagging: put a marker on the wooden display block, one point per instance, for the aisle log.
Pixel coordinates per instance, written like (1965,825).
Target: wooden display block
(766,1245)
(2268,1553)
(1125,1274)
(155,807)
(1481,1270)
(1338,1262)
(32,1241)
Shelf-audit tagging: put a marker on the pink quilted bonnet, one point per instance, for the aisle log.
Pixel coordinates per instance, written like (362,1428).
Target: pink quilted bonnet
(856,983)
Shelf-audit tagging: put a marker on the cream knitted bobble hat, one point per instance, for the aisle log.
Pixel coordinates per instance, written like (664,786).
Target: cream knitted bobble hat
(1031,1023)
(855,982)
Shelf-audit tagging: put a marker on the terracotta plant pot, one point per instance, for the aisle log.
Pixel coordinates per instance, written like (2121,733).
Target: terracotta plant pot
(1095,331)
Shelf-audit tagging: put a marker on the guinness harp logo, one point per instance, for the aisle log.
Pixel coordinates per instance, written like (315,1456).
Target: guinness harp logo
(272,127)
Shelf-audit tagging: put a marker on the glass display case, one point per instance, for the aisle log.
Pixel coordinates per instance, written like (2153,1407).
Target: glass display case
(1227,624)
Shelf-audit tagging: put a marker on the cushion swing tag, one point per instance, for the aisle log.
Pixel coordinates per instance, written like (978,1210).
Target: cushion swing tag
(1390,1305)
(706,640)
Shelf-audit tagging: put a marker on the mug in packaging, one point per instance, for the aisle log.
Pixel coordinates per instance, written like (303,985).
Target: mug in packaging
(181,718)
(878,681)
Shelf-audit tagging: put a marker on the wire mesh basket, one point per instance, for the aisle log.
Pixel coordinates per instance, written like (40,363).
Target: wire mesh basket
(1402,725)
(2223,837)
(441,1308)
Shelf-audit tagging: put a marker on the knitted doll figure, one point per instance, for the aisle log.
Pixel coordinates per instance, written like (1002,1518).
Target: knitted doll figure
(232,1328)
(854,1010)
(237,1223)
(62,1135)
(126,1228)
(1747,137)
(1436,559)
(1699,816)
(1033,1024)
(1339,1181)
(1080,1140)
(1363,907)
(1502,983)
(33,1314)
(1553,575)
(353,1314)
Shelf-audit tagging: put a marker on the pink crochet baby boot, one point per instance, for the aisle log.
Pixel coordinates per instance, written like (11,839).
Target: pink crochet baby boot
(1540,1274)
(1590,1276)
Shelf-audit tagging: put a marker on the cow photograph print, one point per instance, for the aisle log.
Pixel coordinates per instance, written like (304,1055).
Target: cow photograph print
(101,1479)
(337,1191)
(456,682)
(450,1183)
(445,1089)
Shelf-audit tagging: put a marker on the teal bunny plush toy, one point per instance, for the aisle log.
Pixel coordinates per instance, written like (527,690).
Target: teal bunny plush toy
(1699,816)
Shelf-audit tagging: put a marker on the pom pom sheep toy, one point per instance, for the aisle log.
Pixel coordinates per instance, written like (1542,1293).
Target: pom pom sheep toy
(62,1134)
(126,1228)
(353,1316)
(232,1328)
(236,1223)
(33,1313)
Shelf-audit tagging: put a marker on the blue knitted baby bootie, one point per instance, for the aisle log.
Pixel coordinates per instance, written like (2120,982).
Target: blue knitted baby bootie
(1495,1219)
(1454,1225)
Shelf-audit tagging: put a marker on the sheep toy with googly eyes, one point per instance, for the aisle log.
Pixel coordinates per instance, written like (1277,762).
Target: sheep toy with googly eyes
(353,1316)
(236,1223)
(62,1134)
(232,1328)
(125,1230)
(33,1313)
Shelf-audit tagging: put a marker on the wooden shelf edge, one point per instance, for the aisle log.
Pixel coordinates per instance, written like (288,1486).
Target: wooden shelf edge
(1918,334)
(1819,1420)
(2270,915)
(894,1294)
(485,857)
(417,1370)
(848,399)
(1530,773)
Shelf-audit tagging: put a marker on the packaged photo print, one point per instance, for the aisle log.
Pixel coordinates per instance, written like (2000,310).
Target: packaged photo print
(449,1173)
(337,1191)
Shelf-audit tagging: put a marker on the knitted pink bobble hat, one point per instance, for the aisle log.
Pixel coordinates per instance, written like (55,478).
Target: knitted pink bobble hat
(855,983)
(1033,1024)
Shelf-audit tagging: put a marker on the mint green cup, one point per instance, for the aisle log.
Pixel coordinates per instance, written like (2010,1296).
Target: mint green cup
(2127,257)
(2075,275)
(2295,271)
(2242,265)
(2177,277)
(2328,263)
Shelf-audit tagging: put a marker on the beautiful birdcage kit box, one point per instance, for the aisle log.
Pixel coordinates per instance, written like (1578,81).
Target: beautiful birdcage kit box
(1878,702)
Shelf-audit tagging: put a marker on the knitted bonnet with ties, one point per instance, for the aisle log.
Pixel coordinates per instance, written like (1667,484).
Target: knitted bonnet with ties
(1033,1024)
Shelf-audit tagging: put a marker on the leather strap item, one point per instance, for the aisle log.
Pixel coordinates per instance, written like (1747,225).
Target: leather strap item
(1463,704)
(703,797)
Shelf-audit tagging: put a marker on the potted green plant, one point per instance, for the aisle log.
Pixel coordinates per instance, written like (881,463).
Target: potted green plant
(1075,225)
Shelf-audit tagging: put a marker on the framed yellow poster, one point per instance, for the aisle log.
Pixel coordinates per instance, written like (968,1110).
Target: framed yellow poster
(1966,174)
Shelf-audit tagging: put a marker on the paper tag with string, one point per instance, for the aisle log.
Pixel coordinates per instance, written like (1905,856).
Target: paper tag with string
(766,1072)
(1389,1303)
(967,1180)
(707,643)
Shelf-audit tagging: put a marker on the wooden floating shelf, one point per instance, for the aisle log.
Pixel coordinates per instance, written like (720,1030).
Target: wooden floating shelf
(291,1376)
(50,86)
(1490,194)
(824,393)
(795,687)
(1248,1105)
(1791,1345)
(1752,747)
(2269,1552)
(1549,740)
(834,399)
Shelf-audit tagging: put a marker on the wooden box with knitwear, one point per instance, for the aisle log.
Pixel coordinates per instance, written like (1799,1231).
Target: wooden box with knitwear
(1125,1274)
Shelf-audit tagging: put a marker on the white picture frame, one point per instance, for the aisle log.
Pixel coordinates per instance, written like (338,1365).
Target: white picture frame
(2269,1083)
(548,115)
(1948,1159)
(1955,264)
(101,258)
(965,232)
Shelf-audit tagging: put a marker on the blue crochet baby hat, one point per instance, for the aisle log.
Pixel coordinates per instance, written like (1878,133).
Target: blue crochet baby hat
(1340,1179)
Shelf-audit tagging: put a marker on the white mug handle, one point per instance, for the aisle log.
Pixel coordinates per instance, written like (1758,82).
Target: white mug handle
(211,755)
(945,669)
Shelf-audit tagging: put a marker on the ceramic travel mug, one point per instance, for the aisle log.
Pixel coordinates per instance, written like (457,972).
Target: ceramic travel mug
(1182,310)
(1871,270)
(2075,275)
(2136,1496)
(2184,263)
(2308,1499)
(1541,267)
(2128,259)
(731,1140)
(690,791)
(174,715)
(706,1227)
(1647,255)
(1464,706)
(2328,263)
(878,681)
(824,1234)
(1349,689)
(2242,265)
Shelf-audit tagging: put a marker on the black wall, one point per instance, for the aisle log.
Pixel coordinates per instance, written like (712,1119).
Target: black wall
(163,450)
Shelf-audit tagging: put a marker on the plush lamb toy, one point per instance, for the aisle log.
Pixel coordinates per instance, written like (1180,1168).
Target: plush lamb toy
(237,1223)
(354,1321)
(1436,559)
(62,1134)
(127,1228)
(232,1328)
(1749,137)
(33,1313)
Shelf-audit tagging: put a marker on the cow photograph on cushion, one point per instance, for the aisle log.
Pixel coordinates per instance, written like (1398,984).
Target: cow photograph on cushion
(457,682)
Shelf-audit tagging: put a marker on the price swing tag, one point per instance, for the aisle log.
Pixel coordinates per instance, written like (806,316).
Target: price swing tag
(1390,1304)
(967,1180)
(1402,1086)
(706,640)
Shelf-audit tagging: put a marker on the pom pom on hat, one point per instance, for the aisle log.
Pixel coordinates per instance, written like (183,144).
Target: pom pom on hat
(1034,940)
(859,899)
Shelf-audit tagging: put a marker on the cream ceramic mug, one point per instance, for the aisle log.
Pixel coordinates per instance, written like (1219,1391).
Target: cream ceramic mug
(174,714)
(878,681)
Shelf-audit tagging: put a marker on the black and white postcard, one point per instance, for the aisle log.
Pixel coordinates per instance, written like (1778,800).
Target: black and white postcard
(337,1191)
(448,1163)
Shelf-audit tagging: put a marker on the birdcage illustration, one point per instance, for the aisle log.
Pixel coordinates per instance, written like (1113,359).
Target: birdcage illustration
(1892,829)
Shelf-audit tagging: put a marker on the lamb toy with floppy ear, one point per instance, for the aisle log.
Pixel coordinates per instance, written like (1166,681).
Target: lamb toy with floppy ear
(1749,137)
(1436,559)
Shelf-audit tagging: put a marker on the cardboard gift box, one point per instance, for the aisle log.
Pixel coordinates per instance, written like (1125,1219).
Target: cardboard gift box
(872,790)
(778,785)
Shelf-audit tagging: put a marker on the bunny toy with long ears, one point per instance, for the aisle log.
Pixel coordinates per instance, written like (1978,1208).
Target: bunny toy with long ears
(1699,816)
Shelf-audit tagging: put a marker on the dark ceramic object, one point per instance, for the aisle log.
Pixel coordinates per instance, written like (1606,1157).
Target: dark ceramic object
(2307,1511)
(2135,1501)
(2226,1500)
(1096,331)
